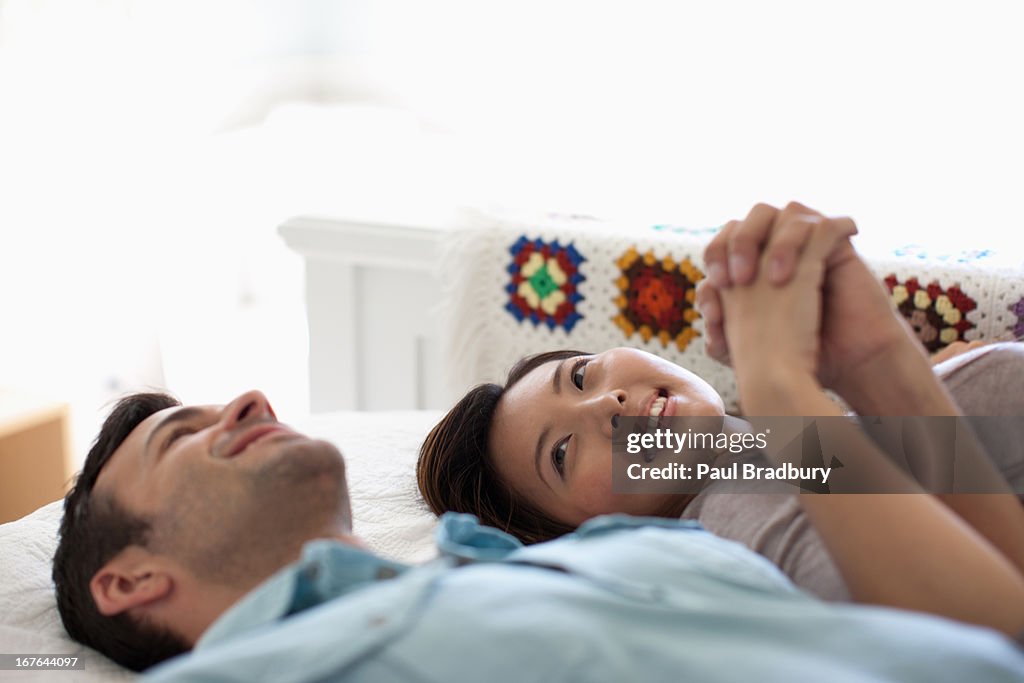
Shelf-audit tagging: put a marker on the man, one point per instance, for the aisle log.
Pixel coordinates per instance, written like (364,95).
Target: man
(219,529)
(178,512)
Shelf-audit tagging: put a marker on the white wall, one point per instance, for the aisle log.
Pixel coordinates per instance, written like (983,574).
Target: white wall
(906,114)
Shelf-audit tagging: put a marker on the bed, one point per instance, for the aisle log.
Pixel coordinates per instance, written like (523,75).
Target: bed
(404,317)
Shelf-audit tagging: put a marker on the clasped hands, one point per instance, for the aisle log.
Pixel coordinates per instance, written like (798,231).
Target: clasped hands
(787,298)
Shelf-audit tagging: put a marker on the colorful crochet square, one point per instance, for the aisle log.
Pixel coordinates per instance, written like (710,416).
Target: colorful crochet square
(938,316)
(1018,310)
(543,283)
(657,297)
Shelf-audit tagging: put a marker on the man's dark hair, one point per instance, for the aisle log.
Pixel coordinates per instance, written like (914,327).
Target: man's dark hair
(455,471)
(94,530)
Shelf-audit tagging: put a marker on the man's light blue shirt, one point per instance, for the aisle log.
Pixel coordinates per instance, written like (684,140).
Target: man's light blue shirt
(621,599)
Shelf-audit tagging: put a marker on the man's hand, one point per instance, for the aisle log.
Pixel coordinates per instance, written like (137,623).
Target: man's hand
(858,322)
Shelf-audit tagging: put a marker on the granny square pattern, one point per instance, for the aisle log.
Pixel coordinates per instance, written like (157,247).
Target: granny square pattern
(543,280)
(938,316)
(1018,310)
(656,297)
(589,284)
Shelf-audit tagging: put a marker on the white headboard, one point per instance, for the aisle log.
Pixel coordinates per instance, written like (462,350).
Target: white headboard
(371,299)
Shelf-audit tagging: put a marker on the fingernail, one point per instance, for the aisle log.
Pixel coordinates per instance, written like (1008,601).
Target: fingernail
(718,275)
(739,267)
(775,269)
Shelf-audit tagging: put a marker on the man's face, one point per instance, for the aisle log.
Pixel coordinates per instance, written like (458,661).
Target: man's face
(232,493)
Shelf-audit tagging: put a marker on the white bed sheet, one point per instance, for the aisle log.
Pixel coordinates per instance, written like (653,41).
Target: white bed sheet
(380,451)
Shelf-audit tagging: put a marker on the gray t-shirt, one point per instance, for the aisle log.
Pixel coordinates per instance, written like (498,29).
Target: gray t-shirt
(986,381)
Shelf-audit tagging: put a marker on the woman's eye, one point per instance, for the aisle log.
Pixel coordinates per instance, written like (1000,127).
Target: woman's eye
(558,455)
(578,371)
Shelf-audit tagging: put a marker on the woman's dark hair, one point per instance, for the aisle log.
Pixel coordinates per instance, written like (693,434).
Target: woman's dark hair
(455,471)
(95,529)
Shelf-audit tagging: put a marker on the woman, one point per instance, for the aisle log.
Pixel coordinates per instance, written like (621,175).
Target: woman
(533,457)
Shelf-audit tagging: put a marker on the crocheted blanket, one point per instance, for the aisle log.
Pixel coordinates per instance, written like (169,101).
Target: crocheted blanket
(519,284)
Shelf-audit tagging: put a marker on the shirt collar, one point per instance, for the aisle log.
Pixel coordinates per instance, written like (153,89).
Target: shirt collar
(462,537)
(327,569)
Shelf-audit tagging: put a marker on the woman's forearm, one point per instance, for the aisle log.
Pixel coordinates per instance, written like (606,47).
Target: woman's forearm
(902,382)
(911,552)
(899,381)
(905,551)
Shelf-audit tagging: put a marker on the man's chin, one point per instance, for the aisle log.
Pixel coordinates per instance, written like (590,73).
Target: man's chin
(303,467)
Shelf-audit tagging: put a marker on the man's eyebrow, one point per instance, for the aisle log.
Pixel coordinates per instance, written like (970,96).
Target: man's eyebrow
(537,454)
(182,415)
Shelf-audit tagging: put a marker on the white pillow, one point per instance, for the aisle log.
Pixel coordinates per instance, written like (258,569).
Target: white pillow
(380,452)
(29,623)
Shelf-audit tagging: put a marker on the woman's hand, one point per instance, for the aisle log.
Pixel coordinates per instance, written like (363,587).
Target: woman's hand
(773,332)
(859,325)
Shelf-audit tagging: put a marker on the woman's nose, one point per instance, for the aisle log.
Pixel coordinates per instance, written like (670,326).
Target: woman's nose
(606,410)
(250,406)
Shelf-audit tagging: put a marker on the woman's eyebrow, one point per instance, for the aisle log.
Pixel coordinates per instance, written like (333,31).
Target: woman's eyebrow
(537,453)
(556,379)
(556,385)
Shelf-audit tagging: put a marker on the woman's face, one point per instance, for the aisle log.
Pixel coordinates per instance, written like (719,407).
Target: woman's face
(551,437)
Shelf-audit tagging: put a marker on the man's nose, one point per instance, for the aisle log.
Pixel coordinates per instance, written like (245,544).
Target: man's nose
(249,407)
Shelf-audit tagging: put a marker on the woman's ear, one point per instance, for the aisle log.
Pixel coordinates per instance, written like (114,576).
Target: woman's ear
(134,578)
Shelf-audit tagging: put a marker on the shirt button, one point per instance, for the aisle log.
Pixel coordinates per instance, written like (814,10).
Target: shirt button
(386,573)
(378,621)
